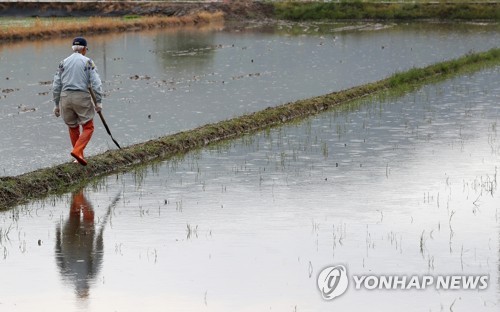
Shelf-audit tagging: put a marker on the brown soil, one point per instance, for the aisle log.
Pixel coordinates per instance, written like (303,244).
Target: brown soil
(232,10)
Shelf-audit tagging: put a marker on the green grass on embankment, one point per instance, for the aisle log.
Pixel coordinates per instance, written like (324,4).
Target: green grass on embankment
(375,10)
(61,178)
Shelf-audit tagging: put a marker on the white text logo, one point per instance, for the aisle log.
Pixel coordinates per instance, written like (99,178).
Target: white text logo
(333,282)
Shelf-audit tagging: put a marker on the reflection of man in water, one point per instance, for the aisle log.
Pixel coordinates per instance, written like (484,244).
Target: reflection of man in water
(79,246)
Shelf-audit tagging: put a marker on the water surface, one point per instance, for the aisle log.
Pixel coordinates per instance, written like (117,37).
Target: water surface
(397,186)
(162,82)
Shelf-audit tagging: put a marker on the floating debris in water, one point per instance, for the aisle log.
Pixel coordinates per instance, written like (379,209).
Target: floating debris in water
(24,109)
(137,77)
(243,76)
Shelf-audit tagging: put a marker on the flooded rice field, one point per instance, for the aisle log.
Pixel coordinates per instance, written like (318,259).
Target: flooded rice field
(162,82)
(404,186)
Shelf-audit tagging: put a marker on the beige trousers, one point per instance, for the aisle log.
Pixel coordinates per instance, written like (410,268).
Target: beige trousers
(76,108)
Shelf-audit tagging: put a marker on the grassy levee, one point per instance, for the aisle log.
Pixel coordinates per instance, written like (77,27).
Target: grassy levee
(216,12)
(61,178)
(355,10)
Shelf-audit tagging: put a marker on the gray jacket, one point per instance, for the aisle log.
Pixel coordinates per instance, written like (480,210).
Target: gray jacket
(76,73)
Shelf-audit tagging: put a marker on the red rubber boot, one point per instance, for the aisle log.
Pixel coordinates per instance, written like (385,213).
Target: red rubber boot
(74,134)
(82,142)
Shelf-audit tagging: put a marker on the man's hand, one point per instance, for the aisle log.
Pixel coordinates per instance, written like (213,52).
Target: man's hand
(57,111)
(98,107)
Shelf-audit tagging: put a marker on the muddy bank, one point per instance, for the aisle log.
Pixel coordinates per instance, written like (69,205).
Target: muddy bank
(356,10)
(189,12)
(246,9)
(233,9)
(97,25)
(18,189)
(134,16)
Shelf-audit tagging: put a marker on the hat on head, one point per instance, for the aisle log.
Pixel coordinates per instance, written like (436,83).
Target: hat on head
(80,41)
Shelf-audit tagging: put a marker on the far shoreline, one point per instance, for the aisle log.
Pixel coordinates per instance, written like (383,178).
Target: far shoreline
(120,16)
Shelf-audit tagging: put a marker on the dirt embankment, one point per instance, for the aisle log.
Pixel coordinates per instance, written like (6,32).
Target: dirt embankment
(232,10)
(152,15)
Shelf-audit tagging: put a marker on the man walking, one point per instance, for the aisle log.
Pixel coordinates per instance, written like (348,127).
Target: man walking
(72,98)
